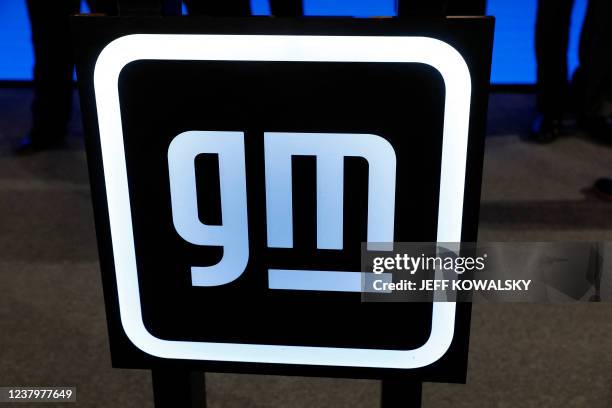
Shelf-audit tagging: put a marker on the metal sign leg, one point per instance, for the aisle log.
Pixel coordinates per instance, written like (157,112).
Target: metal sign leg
(398,393)
(178,389)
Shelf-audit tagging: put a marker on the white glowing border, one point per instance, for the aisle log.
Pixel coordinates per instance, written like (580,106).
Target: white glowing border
(430,51)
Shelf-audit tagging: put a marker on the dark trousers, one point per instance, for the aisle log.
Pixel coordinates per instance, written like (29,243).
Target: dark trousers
(552,38)
(54,63)
(593,79)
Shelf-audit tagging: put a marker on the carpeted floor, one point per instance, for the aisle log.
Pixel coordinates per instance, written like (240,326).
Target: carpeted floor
(52,323)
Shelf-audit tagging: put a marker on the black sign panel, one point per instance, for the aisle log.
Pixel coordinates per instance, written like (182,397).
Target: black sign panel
(238,165)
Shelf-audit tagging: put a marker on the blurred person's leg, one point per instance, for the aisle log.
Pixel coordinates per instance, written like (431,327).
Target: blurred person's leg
(287,8)
(592,79)
(53,70)
(219,8)
(551,42)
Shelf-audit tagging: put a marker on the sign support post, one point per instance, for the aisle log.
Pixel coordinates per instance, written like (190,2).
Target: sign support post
(178,388)
(397,393)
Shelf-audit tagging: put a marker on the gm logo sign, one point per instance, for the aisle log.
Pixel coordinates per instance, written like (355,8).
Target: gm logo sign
(329,151)
(165,251)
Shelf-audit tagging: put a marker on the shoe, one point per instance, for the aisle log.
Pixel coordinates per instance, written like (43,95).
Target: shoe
(28,145)
(598,128)
(603,188)
(545,129)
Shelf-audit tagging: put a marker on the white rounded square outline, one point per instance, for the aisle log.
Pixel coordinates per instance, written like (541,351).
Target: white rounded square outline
(295,48)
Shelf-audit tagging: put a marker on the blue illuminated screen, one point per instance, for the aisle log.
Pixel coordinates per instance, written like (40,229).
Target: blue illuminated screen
(513,55)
